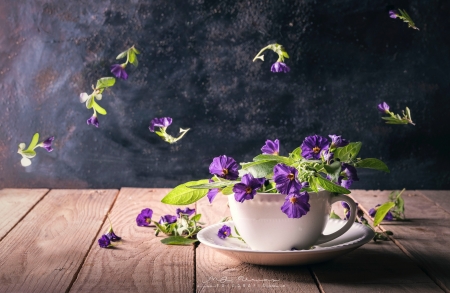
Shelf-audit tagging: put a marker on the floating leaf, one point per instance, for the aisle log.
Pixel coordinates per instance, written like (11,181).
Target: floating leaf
(105,82)
(34,141)
(99,109)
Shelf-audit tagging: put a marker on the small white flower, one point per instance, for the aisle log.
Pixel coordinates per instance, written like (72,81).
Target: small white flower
(84,97)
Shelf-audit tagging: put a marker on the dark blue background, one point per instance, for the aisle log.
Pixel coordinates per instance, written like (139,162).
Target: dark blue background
(196,67)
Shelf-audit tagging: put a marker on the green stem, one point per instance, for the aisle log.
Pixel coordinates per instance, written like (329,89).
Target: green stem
(262,50)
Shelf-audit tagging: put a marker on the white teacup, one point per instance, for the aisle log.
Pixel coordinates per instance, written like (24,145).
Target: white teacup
(263,225)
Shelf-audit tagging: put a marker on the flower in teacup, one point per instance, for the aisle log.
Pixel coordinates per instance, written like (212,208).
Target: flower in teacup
(389,216)
(296,205)
(350,171)
(224,232)
(145,217)
(212,192)
(163,122)
(104,242)
(271,147)
(280,67)
(286,179)
(168,219)
(313,145)
(247,188)
(383,107)
(327,155)
(224,167)
(47,144)
(337,141)
(119,71)
(93,120)
(187,211)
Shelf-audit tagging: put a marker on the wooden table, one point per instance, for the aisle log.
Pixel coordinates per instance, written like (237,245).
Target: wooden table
(48,243)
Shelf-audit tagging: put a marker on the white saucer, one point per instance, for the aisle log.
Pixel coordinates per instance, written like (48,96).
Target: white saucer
(352,239)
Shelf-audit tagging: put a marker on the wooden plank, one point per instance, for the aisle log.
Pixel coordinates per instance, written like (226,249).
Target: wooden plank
(15,204)
(45,250)
(140,263)
(424,236)
(440,197)
(218,273)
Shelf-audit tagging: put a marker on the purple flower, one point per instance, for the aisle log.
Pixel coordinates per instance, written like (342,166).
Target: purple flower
(337,141)
(247,188)
(350,171)
(327,155)
(224,232)
(119,71)
(47,144)
(104,241)
(271,147)
(393,14)
(168,219)
(212,192)
(145,217)
(159,122)
(347,209)
(388,217)
(383,107)
(187,211)
(93,120)
(286,179)
(112,236)
(280,67)
(296,205)
(225,167)
(313,145)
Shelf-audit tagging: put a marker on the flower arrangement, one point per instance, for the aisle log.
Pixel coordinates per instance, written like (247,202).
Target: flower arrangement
(319,163)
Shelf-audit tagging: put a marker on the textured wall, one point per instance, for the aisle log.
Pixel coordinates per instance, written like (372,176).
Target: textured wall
(346,57)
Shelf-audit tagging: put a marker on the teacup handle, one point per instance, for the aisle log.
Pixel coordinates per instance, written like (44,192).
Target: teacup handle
(347,226)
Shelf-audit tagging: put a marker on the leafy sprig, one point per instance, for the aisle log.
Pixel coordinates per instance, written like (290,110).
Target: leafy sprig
(90,100)
(395,118)
(403,15)
(29,153)
(182,232)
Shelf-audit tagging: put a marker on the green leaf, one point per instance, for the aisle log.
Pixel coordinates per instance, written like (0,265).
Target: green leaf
(260,169)
(122,55)
(313,184)
(160,227)
(348,152)
(28,153)
(105,82)
(330,186)
(408,113)
(216,184)
(333,215)
(372,163)
(99,109)
(183,195)
(227,190)
(382,211)
(136,51)
(178,240)
(333,170)
(34,142)
(196,217)
(296,154)
(90,103)
(132,58)
(279,159)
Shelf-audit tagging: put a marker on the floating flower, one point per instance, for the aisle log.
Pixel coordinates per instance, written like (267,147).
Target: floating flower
(313,145)
(187,211)
(393,14)
(337,141)
(286,179)
(247,188)
(47,144)
(225,167)
(296,205)
(383,107)
(389,216)
(168,219)
(104,242)
(145,217)
(119,71)
(93,120)
(280,67)
(212,192)
(163,122)
(224,232)
(271,147)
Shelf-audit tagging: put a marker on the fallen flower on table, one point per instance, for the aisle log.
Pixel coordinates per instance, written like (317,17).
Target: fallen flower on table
(119,69)
(403,15)
(225,232)
(29,153)
(278,66)
(395,118)
(102,84)
(181,228)
(163,123)
(110,236)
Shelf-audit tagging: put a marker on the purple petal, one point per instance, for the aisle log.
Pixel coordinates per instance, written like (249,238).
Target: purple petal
(225,167)
(144,218)
(224,232)
(47,144)
(159,122)
(383,107)
(280,67)
(104,241)
(93,120)
(271,147)
(313,145)
(286,179)
(187,211)
(119,71)
(296,205)
(168,219)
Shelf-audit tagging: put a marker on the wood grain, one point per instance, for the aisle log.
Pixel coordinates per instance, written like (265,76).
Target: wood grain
(439,197)
(15,204)
(140,263)
(46,249)
(424,236)
(219,273)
